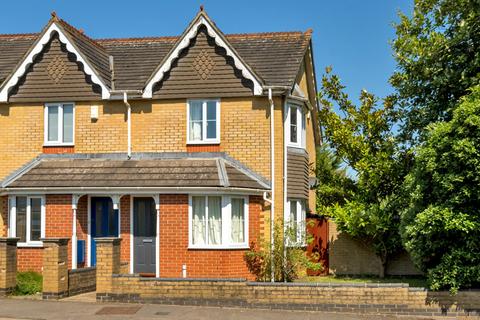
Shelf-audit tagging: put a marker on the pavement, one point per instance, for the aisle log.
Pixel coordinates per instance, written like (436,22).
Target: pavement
(83,308)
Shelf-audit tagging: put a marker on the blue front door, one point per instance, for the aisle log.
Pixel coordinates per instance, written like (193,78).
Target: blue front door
(104,222)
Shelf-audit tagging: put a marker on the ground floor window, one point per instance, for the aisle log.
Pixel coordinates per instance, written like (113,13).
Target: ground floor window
(295,222)
(217,221)
(27,219)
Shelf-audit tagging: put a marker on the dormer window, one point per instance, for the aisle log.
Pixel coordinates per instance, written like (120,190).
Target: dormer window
(59,124)
(203,121)
(295,126)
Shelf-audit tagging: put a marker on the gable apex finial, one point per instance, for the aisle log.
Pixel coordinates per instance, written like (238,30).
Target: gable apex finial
(202,8)
(54,15)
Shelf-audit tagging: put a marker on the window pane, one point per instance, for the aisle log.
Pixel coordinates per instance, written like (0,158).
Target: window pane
(214,220)
(68,123)
(52,124)
(35,219)
(293,221)
(211,110)
(196,116)
(293,125)
(198,220)
(21,221)
(238,220)
(211,129)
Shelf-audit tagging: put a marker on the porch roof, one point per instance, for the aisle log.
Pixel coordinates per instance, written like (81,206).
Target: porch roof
(142,171)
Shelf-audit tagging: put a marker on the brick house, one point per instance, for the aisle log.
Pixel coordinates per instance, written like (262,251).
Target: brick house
(184,147)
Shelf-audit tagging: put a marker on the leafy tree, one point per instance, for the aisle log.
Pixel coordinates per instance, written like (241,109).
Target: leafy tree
(335,186)
(362,137)
(441,227)
(437,51)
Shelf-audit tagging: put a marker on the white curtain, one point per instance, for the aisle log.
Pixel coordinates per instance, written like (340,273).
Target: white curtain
(214,220)
(293,221)
(196,121)
(238,220)
(199,220)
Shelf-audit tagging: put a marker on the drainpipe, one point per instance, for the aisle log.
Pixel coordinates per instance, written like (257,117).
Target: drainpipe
(129,124)
(272,168)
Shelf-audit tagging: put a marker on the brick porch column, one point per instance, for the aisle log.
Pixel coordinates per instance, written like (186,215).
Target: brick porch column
(8,265)
(55,268)
(108,263)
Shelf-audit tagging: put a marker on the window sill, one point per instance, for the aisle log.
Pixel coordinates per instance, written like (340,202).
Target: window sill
(29,245)
(192,143)
(232,247)
(58,144)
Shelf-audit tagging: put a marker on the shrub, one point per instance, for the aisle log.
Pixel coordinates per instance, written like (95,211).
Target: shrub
(28,283)
(259,258)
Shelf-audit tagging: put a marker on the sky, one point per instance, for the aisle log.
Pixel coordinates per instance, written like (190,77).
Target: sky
(352,36)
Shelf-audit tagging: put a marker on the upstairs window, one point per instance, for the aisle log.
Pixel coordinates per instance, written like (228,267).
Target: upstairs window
(203,121)
(295,126)
(27,219)
(59,123)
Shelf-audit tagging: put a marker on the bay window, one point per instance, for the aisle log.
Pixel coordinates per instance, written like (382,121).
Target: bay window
(218,221)
(295,126)
(59,123)
(27,219)
(203,121)
(295,222)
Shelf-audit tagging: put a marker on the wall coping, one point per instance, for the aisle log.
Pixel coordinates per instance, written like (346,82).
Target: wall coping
(81,270)
(59,241)
(109,240)
(9,241)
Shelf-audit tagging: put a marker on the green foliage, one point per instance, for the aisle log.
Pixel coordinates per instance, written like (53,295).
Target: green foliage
(362,138)
(288,264)
(28,283)
(441,226)
(437,50)
(334,185)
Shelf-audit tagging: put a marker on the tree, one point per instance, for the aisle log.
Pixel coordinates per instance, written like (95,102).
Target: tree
(334,185)
(437,51)
(362,137)
(441,226)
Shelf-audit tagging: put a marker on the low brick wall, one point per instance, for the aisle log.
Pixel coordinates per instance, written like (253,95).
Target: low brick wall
(82,280)
(397,299)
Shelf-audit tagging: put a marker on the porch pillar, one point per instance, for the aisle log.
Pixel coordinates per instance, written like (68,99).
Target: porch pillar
(8,265)
(108,264)
(156,197)
(55,268)
(75,199)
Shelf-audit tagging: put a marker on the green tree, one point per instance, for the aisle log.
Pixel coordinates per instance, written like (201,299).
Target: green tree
(437,51)
(441,226)
(334,184)
(362,137)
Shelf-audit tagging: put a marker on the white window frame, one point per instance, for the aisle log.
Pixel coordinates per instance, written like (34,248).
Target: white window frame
(59,142)
(300,240)
(301,126)
(226,223)
(204,122)
(12,231)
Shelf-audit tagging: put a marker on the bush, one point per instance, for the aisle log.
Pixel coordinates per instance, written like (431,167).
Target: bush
(259,258)
(28,283)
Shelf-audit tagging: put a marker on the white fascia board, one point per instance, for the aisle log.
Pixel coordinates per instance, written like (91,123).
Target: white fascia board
(39,48)
(166,66)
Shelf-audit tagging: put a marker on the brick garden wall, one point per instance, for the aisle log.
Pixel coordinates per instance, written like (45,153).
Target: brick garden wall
(82,280)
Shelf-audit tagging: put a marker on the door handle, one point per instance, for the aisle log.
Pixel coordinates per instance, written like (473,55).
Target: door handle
(147,240)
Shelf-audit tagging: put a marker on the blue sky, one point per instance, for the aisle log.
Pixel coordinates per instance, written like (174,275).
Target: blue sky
(350,35)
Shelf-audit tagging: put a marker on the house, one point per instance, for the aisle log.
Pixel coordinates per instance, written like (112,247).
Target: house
(185,147)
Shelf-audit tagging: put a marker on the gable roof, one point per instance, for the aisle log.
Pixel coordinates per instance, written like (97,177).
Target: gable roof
(272,59)
(75,42)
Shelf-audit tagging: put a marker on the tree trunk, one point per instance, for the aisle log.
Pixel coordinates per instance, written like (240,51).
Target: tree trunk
(383,266)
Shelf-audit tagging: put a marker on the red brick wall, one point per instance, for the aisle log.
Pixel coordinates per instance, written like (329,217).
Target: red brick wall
(30,259)
(203,148)
(174,250)
(82,224)
(125,229)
